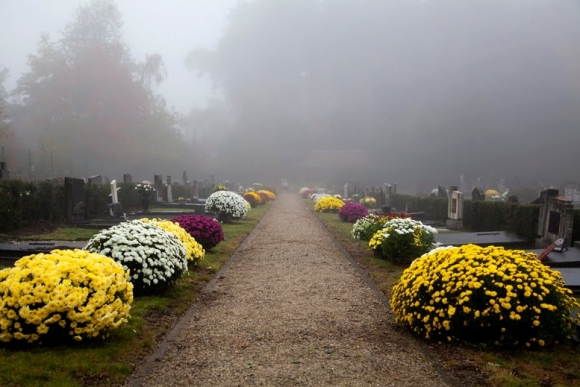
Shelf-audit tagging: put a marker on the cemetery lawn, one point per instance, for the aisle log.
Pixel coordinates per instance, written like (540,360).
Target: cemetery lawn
(471,365)
(111,361)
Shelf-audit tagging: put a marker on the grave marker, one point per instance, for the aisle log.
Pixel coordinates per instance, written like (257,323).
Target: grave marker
(74,191)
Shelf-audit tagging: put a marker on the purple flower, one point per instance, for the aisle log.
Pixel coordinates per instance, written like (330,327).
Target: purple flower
(351,212)
(206,231)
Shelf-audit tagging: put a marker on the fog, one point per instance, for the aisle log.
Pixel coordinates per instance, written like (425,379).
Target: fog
(318,92)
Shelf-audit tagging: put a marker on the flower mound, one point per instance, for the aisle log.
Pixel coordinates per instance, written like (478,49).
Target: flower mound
(308,192)
(206,231)
(351,212)
(227,203)
(63,294)
(403,240)
(368,201)
(316,197)
(328,204)
(194,250)
(269,194)
(366,227)
(253,198)
(155,257)
(484,295)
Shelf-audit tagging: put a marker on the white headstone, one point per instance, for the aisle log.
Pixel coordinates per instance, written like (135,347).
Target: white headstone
(169,194)
(114,191)
(455,208)
(346,195)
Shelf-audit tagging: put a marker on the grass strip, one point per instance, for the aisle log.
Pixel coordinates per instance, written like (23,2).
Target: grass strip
(110,362)
(475,366)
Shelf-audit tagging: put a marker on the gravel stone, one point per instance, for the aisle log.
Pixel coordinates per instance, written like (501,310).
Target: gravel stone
(289,309)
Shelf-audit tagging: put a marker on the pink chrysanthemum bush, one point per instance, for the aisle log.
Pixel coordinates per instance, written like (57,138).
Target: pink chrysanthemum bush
(207,231)
(328,204)
(63,295)
(484,295)
(351,212)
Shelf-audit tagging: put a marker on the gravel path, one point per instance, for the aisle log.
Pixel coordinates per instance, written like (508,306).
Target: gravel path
(288,310)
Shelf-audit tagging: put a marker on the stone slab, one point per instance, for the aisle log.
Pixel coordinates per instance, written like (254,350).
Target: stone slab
(496,238)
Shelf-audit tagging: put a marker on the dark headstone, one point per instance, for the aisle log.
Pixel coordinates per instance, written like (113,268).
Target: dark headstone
(441,192)
(127,178)
(512,199)
(4,174)
(97,179)
(74,193)
(158,185)
(184,178)
(477,194)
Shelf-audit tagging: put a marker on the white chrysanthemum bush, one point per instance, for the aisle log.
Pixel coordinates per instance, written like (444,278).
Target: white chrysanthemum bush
(154,257)
(227,205)
(63,295)
(403,240)
(484,295)
(195,251)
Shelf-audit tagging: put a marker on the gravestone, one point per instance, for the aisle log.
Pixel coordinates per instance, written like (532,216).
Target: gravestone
(477,195)
(114,198)
(556,218)
(168,194)
(441,192)
(184,178)
(74,192)
(512,199)
(96,179)
(345,192)
(127,178)
(389,196)
(455,210)
(4,174)
(196,189)
(158,185)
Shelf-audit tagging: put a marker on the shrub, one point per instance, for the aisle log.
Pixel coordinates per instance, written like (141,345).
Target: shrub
(65,294)
(269,194)
(484,295)
(403,240)
(154,257)
(328,204)
(366,227)
(219,187)
(308,192)
(227,204)
(253,198)
(316,197)
(368,202)
(206,231)
(194,250)
(351,212)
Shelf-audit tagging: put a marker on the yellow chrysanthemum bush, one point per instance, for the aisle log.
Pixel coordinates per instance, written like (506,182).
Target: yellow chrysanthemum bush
(484,295)
(195,251)
(269,194)
(328,204)
(70,294)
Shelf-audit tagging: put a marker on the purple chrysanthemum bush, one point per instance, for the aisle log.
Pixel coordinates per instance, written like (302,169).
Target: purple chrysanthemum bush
(206,231)
(351,212)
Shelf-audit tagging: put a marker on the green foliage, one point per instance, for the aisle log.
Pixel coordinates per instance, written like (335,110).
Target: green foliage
(436,208)
(484,216)
(26,203)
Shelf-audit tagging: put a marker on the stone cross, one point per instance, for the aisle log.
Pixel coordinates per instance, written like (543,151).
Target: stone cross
(114,192)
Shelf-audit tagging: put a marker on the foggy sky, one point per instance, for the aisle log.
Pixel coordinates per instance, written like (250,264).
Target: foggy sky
(413,91)
(169,28)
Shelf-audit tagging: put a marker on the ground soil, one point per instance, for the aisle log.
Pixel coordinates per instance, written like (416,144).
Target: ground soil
(291,308)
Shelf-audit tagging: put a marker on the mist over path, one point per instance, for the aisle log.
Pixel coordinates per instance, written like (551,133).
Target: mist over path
(289,309)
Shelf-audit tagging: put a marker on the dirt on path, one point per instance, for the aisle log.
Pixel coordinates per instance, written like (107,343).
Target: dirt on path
(289,309)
